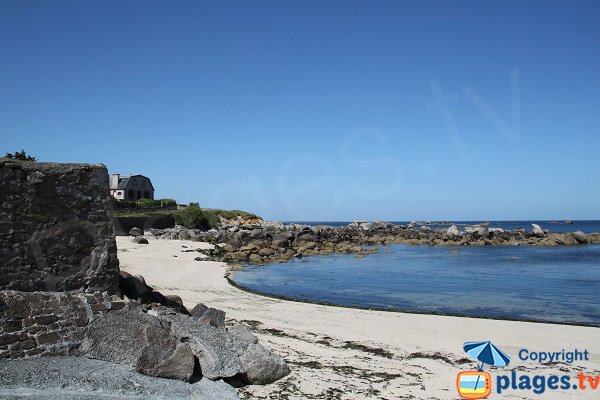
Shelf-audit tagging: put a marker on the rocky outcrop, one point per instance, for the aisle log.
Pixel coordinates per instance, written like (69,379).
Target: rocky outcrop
(222,355)
(139,240)
(243,333)
(56,232)
(118,337)
(164,356)
(209,315)
(580,237)
(161,342)
(260,366)
(537,230)
(453,232)
(266,242)
(135,288)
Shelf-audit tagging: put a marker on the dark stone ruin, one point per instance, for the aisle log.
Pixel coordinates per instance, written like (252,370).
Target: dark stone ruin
(58,262)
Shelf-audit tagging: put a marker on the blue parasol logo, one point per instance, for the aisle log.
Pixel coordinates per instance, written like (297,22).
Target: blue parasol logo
(486,353)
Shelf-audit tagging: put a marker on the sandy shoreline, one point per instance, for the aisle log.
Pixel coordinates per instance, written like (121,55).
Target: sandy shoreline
(346,353)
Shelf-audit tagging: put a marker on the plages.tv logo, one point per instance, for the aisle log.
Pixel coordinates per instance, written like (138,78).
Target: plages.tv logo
(477,384)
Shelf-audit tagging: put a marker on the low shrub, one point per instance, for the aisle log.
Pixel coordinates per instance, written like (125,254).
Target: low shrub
(167,202)
(192,217)
(147,203)
(122,204)
(230,214)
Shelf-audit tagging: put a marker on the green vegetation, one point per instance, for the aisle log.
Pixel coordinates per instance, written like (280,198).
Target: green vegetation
(148,203)
(20,155)
(142,212)
(192,217)
(167,202)
(230,214)
(122,204)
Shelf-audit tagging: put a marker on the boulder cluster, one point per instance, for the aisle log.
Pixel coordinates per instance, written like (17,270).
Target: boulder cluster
(262,242)
(158,336)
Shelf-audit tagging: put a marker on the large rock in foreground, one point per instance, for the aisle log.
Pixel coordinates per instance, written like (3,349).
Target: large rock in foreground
(225,355)
(260,366)
(134,338)
(78,378)
(164,357)
(160,342)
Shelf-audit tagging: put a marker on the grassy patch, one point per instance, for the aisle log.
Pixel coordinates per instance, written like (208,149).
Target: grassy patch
(208,219)
(229,214)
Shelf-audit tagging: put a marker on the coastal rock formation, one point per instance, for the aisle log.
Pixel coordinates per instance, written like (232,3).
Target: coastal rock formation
(135,288)
(537,230)
(222,355)
(161,342)
(137,339)
(242,332)
(262,242)
(260,366)
(580,237)
(453,232)
(208,315)
(118,337)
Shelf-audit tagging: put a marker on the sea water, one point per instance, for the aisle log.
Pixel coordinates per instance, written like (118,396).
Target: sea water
(587,226)
(553,284)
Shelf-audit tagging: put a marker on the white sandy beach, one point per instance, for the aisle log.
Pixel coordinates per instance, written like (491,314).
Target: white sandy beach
(343,353)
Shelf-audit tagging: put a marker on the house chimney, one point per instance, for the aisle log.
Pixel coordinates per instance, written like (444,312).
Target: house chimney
(114,181)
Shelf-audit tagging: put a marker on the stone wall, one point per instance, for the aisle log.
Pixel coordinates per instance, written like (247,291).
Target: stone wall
(56,231)
(58,256)
(48,323)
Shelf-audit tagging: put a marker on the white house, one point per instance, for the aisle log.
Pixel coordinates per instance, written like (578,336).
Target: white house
(131,188)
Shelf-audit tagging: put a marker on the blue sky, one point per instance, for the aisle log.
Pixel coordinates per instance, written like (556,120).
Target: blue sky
(317,110)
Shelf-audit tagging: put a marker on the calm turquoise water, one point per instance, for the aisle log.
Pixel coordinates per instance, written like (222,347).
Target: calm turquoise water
(558,284)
